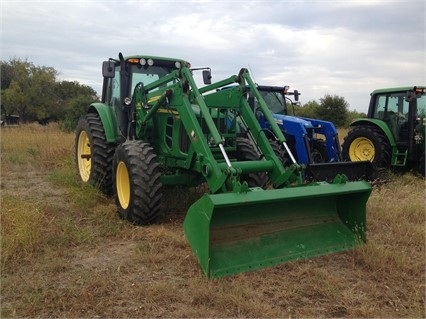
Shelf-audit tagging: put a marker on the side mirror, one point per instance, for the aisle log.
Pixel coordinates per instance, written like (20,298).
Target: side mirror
(108,69)
(296,95)
(207,76)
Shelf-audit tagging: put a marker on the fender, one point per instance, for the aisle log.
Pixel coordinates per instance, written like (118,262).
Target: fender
(378,123)
(108,120)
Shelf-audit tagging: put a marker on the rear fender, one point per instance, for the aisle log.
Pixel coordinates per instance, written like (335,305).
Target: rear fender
(108,120)
(379,124)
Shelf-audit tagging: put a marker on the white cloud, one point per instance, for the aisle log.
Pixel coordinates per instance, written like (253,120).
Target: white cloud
(347,48)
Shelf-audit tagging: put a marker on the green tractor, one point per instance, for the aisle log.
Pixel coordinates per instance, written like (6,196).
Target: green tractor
(393,134)
(154,127)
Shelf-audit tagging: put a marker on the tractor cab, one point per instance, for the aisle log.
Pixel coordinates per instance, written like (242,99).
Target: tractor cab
(393,134)
(403,112)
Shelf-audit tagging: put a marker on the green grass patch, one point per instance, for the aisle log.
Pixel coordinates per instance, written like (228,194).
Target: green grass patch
(66,253)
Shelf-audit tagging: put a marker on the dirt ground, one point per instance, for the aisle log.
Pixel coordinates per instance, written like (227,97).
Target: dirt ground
(120,270)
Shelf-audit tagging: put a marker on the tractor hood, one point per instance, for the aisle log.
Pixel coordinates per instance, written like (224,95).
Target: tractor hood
(280,119)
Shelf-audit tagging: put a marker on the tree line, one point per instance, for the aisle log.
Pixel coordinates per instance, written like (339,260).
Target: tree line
(35,94)
(331,108)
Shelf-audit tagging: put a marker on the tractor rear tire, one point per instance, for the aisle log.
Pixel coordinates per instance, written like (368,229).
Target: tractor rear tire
(421,165)
(246,152)
(93,154)
(367,143)
(137,185)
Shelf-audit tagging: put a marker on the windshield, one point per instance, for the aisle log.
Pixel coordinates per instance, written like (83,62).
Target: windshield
(146,75)
(391,104)
(275,101)
(396,103)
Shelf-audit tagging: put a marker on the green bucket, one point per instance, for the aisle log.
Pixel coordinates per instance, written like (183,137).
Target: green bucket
(237,232)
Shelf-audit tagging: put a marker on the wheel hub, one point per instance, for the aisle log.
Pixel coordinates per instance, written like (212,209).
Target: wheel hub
(361,149)
(84,156)
(123,185)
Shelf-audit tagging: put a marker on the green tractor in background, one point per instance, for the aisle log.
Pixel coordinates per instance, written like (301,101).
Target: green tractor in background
(393,134)
(154,127)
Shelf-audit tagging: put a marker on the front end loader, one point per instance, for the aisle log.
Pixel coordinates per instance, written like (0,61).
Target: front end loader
(164,130)
(313,142)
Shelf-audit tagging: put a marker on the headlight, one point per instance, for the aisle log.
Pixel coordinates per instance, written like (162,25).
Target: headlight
(127,101)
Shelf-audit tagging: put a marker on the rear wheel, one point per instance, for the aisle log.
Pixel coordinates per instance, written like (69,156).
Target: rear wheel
(137,185)
(93,154)
(246,152)
(367,143)
(421,165)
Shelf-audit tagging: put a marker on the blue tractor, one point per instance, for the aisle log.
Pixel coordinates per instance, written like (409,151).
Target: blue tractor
(312,142)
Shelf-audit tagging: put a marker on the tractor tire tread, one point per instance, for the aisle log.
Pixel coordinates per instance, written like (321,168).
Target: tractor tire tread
(102,152)
(382,147)
(245,151)
(145,185)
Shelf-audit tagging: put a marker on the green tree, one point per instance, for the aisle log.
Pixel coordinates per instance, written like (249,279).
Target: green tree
(14,100)
(75,99)
(27,90)
(352,115)
(6,71)
(309,109)
(33,93)
(333,108)
(41,90)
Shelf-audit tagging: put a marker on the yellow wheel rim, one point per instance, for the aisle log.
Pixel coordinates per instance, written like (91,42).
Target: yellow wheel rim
(361,149)
(123,185)
(84,156)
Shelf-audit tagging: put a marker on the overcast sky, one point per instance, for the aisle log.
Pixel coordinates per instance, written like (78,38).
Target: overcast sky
(345,48)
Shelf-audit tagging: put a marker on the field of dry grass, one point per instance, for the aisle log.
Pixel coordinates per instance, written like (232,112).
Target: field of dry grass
(65,252)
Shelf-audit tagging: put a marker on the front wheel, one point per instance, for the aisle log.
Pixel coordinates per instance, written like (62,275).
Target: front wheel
(319,152)
(367,143)
(246,152)
(137,185)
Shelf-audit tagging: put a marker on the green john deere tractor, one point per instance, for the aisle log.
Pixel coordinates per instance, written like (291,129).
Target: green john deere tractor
(393,134)
(155,127)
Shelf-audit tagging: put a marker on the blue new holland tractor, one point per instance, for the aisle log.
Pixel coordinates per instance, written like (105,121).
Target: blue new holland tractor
(311,142)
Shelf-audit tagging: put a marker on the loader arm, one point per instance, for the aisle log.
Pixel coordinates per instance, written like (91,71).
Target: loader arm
(179,134)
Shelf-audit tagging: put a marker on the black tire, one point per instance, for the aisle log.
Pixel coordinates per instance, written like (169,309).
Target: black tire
(367,143)
(280,152)
(246,152)
(421,165)
(137,185)
(93,154)
(319,152)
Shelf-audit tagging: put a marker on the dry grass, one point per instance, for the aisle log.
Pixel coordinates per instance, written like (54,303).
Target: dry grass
(65,253)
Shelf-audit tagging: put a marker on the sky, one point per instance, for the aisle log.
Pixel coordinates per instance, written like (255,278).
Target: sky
(319,47)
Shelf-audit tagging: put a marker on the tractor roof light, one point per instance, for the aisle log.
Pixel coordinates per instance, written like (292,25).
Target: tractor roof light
(178,65)
(150,62)
(286,88)
(419,90)
(142,61)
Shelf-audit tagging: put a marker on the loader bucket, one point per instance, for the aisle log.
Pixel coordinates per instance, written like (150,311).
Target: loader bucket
(237,232)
